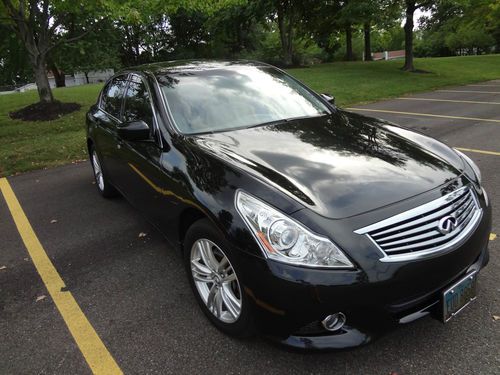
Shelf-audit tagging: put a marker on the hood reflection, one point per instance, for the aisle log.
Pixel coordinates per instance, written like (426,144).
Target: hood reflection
(339,165)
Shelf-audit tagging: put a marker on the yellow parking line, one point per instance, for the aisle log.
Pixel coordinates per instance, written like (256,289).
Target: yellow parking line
(472,91)
(424,114)
(95,353)
(449,100)
(478,151)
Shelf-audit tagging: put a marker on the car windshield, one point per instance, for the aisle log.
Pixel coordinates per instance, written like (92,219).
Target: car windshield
(219,99)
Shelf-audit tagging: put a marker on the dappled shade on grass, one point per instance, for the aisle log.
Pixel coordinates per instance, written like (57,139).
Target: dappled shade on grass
(44,111)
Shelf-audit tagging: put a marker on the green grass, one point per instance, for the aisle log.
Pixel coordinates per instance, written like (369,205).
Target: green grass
(359,82)
(26,146)
(30,145)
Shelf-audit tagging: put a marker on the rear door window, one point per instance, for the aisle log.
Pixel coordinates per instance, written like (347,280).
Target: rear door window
(112,97)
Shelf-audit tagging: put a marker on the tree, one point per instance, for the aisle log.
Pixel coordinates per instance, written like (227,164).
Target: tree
(410,7)
(99,49)
(460,27)
(39,25)
(367,14)
(288,15)
(14,69)
(237,29)
(346,17)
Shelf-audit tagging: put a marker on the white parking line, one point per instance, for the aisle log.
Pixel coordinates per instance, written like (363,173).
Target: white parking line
(449,100)
(424,114)
(472,91)
(485,85)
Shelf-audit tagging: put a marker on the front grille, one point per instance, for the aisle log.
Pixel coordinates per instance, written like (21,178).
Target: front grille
(418,232)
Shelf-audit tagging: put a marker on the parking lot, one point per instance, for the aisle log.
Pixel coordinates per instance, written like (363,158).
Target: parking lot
(117,297)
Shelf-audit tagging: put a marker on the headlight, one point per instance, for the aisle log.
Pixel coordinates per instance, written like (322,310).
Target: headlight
(283,239)
(471,164)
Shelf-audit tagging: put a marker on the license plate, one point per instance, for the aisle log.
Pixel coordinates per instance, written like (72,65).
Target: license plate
(459,295)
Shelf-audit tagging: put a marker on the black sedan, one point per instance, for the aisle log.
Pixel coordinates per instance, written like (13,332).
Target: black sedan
(318,227)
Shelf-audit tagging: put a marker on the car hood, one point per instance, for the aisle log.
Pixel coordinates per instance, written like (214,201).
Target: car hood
(339,165)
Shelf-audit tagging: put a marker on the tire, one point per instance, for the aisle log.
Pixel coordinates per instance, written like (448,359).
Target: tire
(101,182)
(224,312)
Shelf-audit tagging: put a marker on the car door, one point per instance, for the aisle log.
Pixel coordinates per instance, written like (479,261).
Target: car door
(139,174)
(108,119)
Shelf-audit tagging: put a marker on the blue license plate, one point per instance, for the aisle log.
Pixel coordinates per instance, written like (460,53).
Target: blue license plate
(459,295)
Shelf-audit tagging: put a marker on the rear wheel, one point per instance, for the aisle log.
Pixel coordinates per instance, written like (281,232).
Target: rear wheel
(103,186)
(214,280)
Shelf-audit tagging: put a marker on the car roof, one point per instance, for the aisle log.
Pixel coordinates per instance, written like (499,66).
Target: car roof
(179,66)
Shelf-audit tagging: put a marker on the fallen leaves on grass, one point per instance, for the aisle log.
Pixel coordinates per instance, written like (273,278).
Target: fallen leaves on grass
(40,298)
(142,235)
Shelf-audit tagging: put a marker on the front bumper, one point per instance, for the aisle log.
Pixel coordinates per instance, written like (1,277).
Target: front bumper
(290,302)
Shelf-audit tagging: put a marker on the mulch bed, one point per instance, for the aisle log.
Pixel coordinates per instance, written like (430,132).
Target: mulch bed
(44,111)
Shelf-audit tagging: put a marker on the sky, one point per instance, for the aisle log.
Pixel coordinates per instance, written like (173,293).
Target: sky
(416,16)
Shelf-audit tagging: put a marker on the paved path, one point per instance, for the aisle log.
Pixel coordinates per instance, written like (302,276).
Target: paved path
(134,292)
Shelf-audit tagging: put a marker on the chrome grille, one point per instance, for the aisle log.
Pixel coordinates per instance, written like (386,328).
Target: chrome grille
(420,231)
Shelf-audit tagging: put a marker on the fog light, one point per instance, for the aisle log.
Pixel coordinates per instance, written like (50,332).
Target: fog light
(334,322)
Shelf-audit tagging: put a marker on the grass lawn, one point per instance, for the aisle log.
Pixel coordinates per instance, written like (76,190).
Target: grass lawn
(358,82)
(33,145)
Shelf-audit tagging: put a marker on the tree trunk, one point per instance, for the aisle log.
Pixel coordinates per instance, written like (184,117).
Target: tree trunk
(368,43)
(87,77)
(410,10)
(286,35)
(42,81)
(59,76)
(348,43)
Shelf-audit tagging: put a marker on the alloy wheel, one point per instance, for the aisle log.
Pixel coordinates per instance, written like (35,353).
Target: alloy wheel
(99,178)
(216,280)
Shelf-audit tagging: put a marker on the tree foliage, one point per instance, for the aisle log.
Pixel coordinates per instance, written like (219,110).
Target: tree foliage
(70,35)
(460,27)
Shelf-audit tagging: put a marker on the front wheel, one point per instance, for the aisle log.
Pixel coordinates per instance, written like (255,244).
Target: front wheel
(103,186)
(214,280)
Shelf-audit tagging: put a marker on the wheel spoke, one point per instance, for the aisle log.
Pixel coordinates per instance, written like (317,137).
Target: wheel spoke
(207,255)
(97,167)
(218,303)
(232,304)
(229,278)
(200,269)
(222,264)
(202,278)
(211,298)
(97,171)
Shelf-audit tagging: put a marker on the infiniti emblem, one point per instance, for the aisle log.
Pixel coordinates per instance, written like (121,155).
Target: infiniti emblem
(447,224)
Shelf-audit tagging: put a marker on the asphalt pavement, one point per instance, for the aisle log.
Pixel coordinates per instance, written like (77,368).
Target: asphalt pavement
(133,291)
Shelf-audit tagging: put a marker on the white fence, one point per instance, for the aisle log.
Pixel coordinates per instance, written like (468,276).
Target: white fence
(77,79)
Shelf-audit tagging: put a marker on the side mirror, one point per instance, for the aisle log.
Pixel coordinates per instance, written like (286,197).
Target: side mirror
(134,131)
(329,98)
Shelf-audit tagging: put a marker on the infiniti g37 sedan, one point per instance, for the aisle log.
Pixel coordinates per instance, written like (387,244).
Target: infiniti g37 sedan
(318,227)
